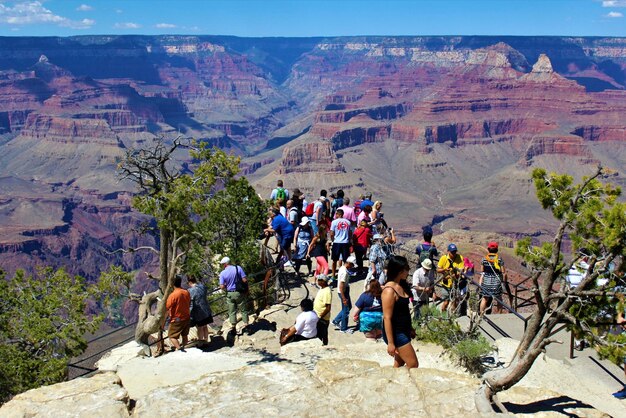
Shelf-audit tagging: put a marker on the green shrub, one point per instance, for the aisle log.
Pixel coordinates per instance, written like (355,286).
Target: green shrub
(465,348)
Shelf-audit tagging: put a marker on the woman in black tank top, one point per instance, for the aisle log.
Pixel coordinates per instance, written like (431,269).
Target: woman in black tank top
(397,326)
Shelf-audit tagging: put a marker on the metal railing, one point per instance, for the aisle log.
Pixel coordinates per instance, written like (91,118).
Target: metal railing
(281,280)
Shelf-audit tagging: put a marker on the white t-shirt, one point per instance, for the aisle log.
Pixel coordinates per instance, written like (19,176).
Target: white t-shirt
(422,279)
(342,275)
(306,324)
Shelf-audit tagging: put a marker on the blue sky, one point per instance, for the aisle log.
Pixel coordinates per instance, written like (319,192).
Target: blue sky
(313,17)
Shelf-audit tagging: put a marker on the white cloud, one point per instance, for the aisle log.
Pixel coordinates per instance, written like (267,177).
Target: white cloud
(127,25)
(33,12)
(164,25)
(614,14)
(119,11)
(614,3)
(84,8)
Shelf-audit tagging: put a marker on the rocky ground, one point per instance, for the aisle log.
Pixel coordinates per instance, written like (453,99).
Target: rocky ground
(257,377)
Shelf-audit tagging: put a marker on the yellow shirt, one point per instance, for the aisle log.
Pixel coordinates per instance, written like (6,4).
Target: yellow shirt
(444,263)
(324,297)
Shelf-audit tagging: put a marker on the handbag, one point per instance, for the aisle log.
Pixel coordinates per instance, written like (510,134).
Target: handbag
(240,285)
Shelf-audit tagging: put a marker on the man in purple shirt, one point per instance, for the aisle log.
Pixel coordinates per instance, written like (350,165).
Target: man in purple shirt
(234,299)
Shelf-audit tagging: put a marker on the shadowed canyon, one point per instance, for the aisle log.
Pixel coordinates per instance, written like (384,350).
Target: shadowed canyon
(443,130)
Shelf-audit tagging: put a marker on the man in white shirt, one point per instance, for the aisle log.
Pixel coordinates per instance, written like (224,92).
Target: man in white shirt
(422,286)
(343,291)
(305,327)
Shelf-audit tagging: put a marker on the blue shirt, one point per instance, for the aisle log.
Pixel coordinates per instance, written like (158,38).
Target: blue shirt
(228,277)
(282,226)
(366,202)
(369,303)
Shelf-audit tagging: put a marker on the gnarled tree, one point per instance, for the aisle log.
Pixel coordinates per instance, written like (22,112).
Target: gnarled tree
(176,195)
(591,217)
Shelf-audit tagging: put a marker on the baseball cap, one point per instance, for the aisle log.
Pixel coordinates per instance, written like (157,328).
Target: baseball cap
(225,260)
(492,245)
(427,264)
(377,236)
(452,248)
(351,259)
(304,221)
(322,277)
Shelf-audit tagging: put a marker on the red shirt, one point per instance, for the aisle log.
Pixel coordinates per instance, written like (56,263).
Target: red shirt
(178,304)
(363,236)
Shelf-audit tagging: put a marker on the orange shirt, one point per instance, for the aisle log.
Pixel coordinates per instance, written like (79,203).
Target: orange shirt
(178,304)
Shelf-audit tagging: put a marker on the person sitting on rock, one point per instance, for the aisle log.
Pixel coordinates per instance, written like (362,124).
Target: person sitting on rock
(305,327)
(177,304)
(322,305)
(369,312)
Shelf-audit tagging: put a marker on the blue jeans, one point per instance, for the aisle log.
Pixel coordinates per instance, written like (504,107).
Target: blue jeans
(344,314)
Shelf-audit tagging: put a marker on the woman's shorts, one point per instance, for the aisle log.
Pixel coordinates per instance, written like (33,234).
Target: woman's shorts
(400,339)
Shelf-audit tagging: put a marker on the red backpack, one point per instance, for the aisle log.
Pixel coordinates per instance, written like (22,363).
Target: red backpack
(309,209)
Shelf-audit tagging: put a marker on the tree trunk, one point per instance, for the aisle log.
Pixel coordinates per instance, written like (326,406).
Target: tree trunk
(148,322)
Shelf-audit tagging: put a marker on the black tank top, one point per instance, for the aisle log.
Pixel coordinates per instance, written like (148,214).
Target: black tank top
(401,319)
(320,249)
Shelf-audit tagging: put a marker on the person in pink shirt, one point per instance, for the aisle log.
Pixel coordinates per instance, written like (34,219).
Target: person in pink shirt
(348,212)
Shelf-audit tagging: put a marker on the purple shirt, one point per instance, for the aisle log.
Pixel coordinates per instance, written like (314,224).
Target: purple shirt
(228,277)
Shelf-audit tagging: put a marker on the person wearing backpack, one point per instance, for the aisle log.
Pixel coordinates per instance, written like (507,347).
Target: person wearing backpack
(279,193)
(427,249)
(336,203)
(492,278)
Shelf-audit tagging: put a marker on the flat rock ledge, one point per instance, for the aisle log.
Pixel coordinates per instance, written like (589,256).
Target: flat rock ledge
(259,378)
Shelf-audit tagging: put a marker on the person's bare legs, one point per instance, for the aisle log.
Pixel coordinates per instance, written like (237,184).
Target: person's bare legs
(406,357)
(203,333)
(175,343)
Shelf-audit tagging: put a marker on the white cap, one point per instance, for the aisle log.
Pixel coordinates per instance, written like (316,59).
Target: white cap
(225,260)
(304,221)
(351,259)
(427,264)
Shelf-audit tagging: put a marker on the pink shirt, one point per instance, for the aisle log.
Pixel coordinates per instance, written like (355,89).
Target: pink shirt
(348,213)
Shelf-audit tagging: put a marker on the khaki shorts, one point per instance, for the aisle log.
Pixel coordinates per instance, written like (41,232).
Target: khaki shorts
(442,292)
(178,328)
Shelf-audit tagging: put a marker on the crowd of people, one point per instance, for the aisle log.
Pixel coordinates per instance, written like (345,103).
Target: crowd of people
(339,237)
(390,302)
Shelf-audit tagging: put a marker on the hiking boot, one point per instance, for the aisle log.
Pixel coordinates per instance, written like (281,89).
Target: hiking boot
(621,394)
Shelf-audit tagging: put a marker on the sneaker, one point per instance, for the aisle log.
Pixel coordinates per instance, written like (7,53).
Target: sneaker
(347,331)
(336,324)
(621,394)
(288,264)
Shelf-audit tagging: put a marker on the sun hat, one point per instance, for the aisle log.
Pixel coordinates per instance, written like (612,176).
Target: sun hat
(304,221)
(427,264)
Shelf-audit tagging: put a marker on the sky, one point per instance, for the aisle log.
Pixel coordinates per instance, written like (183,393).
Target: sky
(303,18)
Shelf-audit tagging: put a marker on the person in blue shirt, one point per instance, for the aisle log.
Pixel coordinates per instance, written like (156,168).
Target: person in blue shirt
(284,232)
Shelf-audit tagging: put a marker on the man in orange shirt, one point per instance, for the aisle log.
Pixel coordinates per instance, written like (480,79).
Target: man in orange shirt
(178,310)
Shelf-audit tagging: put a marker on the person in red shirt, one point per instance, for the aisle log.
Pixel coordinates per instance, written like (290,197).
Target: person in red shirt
(177,305)
(361,239)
